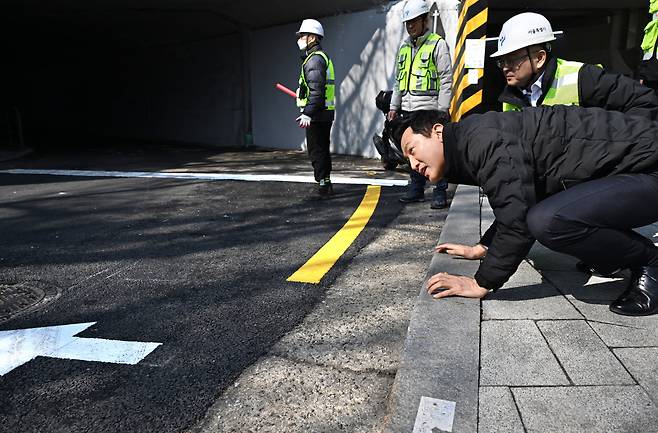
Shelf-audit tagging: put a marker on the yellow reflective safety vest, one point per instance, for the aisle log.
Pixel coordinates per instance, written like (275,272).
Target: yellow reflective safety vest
(330,86)
(564,88)
(418,74)
(650,36)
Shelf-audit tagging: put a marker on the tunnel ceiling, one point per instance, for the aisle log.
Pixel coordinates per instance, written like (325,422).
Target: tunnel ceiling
(568,4)
(94,25)
(150,22)
(576,11)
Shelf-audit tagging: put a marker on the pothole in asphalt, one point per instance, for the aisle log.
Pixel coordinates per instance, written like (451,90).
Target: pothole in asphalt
(16,298)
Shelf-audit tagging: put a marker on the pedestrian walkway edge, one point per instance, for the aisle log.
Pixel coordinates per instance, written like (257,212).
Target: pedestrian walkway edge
(436,385)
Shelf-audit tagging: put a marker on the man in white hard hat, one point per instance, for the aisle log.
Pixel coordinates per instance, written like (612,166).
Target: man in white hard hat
(535,77)
(423,82)
(315,99)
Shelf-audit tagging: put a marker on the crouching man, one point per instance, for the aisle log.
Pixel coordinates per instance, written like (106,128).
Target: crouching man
(578,180)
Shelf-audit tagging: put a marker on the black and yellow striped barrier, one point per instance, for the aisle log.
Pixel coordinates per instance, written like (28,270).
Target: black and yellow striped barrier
(472,24)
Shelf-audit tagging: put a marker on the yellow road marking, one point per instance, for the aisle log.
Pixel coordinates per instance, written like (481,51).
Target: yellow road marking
(314,269)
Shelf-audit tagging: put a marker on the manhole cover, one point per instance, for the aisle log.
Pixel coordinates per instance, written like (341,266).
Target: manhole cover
(17,298)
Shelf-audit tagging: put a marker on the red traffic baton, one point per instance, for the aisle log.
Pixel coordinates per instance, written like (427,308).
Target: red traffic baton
(286,90)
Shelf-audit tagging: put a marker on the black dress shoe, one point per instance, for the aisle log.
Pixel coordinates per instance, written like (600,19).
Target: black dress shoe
(641,297)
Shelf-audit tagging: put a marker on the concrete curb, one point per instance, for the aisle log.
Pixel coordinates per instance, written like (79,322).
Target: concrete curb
(436,386)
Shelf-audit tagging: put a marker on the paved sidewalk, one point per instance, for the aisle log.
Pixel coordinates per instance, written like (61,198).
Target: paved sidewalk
(543,354)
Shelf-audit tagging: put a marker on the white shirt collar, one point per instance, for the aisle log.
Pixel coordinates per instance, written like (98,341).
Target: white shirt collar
(535,91)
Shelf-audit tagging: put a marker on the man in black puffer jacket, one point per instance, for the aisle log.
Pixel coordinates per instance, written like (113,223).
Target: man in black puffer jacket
(316,101)
(550,174)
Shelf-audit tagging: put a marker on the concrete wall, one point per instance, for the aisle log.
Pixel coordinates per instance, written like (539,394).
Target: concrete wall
(85,87)
(363,47)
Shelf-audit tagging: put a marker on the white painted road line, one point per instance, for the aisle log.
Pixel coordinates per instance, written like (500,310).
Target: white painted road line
(22,345)
(209,176)
(434,415)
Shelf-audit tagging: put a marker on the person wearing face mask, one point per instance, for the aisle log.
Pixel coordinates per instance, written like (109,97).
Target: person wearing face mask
(535,77)
(423,82)
(315,99)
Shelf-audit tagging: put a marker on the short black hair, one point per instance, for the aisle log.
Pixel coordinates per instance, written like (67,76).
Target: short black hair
(421,122)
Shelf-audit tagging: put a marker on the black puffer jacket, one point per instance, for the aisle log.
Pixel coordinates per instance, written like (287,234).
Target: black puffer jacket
(520,158)
(596,88)
(315,72)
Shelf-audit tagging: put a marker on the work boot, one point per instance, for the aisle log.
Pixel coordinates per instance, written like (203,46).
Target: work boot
(325,190)
(320,191)
(439,199)
(591,270)
(413,196)
(641,297)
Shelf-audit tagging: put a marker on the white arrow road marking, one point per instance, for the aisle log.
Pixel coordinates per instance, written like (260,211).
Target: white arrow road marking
(22,345)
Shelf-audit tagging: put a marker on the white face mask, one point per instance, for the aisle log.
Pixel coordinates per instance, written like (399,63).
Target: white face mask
(301,43)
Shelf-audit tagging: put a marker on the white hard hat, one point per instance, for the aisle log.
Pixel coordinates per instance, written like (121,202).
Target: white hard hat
(311,26)
(413,9)
(524,30)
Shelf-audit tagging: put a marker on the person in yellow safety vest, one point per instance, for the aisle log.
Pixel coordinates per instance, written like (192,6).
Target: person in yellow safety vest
(316,102)
(535,78)
(648,70)
(423,72)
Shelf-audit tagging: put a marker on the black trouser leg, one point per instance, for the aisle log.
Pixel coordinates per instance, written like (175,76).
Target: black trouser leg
(317,143)
(417,183)
(593,221)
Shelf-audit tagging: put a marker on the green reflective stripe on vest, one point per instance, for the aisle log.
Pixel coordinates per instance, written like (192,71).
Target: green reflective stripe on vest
(510,107)
(419,75)
(564,88)
(329,88)
(650,35)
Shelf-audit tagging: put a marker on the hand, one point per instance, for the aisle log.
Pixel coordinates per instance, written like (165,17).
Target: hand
(443,284)
(391,115)
(471,253)
(304,121)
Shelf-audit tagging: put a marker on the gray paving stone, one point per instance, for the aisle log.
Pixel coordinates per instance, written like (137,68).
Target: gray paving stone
(497,411)
(582,354)
(586,287)
(525,296)
(544,259)
(650,231)
(590,409)
(627,335)
(487,216)
(514,353)
(616,330)
(642,362)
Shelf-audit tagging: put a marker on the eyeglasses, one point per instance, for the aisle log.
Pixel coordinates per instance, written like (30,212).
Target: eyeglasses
(511,63)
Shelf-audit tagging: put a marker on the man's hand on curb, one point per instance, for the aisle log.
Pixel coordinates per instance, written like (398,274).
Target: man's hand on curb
(474,252)
(443,284)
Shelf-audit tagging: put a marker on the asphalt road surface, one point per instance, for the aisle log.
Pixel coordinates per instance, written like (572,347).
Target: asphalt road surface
(200,267)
